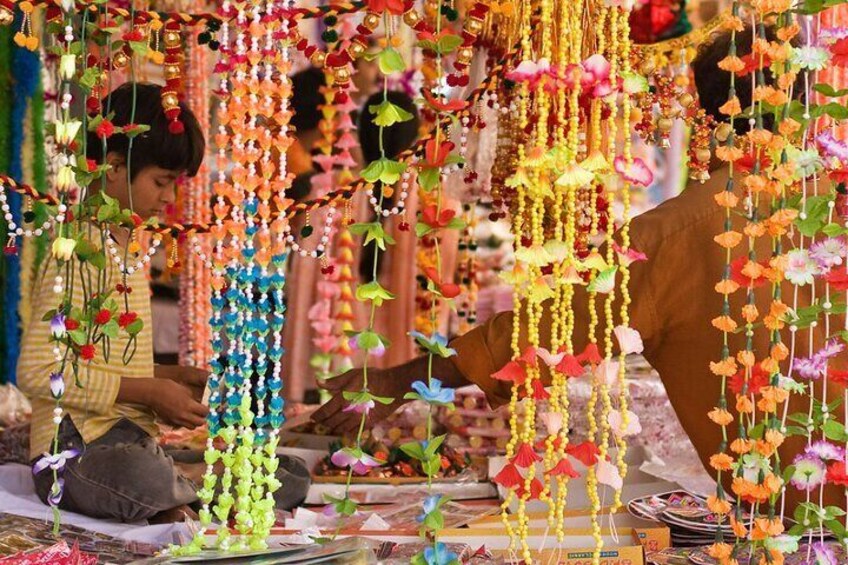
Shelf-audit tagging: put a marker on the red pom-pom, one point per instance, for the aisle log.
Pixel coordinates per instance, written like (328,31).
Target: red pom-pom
(341,97)
(176,127)
(103,317)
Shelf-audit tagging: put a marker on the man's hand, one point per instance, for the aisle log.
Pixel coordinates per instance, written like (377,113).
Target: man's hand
(191,377)
(176,404)
(380,383)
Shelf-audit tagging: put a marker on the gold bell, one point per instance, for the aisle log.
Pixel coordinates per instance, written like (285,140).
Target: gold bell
(356,49)
(171,38)
(120,60)
(665,124)
(474,26)
(464,55)
(170,100)
(172,72)
(686,99)
(703,155)
(341,75)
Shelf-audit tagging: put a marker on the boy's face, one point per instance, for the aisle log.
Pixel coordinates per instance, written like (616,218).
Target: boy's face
(153,188)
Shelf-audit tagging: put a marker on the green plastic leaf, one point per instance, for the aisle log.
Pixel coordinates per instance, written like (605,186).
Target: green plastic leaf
(834,431)
(419,559)
(139,47)
(784,544)
(431,466)
(434,521)
(429,178)
(49,315)
(634,83)
(79,336)
(456,224)
(414,450)
(833,230)
(98,260)
(373,231)
(829,91)
(374,292)
(434,445)
(390,61)
(383,170)
(136,327)
(449,43)
(89,78)
(110,329)
(368,340)
(388,114)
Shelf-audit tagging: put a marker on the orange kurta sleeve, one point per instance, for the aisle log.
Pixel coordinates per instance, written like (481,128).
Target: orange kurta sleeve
(487,348)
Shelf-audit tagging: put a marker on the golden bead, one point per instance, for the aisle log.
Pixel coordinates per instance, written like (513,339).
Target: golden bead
(665,124)
(172,72)
(723,131)
(341,75)
(319,58)
(681,80)
(371,20)
(120,60)
(411,18)
(647,67)
(686,99)
(703,155)
(356,49)
(171,38)
(6,16)
(464,55)
(474,26)
(170,101)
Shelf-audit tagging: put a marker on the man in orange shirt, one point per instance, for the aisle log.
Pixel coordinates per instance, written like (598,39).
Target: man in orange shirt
(673,304)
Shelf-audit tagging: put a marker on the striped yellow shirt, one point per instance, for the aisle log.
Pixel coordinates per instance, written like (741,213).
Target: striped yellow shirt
(92,405)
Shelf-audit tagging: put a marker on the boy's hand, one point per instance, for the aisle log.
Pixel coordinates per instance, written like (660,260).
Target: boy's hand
(176,404)
(191,377)
(380,383)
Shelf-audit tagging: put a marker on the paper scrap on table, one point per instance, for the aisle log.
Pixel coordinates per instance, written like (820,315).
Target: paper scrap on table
(375,523)
(306,536)
(302,519)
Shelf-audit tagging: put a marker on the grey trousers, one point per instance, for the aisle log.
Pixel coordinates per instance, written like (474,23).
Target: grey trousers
(125,475)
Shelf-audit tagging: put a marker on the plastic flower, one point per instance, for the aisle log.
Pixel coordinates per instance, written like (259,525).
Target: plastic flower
(357,460)
(609,475)
(629,256)
(809,473)
(529,71)
(87,352)
(595,78)
(55,462)
(824,554)
(629,340)
(829,252)
(616,422)
(67,66)
(800,267)
(360,407)
(832,147)
(65,179)
(806,161)
(810,57)
(57,385)
(57,326)
(836,474)
(434,394)
(63,248)
(812,368)
(66,132)
(56,492)
(431,503)
(439,554)
(637,172)
(552,421)
(825,450)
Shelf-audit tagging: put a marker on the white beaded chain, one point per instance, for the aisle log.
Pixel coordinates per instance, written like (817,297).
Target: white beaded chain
(117,257)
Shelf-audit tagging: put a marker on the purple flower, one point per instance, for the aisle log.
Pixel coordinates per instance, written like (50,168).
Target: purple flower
(824,554)
(57,385)
(829,252)
(833,147)
(809,473)
(55,462)
(812,368)
(57,326)
(359,407)
(56,492)
(825,450)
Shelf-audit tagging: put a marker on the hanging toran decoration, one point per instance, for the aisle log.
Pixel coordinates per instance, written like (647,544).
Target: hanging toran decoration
(568,97)
(248,261)
(787,183)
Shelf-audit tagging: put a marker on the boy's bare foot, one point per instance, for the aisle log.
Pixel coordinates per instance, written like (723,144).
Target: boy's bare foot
(177,514)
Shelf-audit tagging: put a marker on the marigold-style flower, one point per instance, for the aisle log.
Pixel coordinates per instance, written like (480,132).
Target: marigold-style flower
(724,323)
(721,462)
(724,368)
(744,405)
(788,127)
(728,239)
(731,64)
(728,154)
(726,286)
(750,315)
(720,416)
(726,199)
(719,506)
(720,551)
(739,529)
(765,528)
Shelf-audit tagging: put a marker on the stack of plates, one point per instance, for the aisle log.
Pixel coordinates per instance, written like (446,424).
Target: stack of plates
(691,523)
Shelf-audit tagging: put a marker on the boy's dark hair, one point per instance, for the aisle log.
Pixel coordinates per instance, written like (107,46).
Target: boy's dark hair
(713,83)
(156,147)
(396,138)
(306,98)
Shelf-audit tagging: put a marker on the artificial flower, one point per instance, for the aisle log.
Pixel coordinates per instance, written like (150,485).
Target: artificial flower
(595,77)
(806,161)
(606,373)
(837,279)
(570,366)
(63,248)
(127,318)
(65,179)
(548,358)
(355,459)
(629,256)
(525,456)
(721,462)
(829,252)
(616,423)
(446,289)
(800,267)
(810,57)
(833,147)
(720,416)
(809,473)
(105,129)
(103,317)
(434,394)
(55,462)
(765,528)
(57,326)
(586,452)
(431,503)
(395,7)
(837,376)
(435,218)
(529,71)
(552,422)
(57,384)
(67,66)
(836,474)
(629,340)
(637,172)
(66,132)
(824,554)
(608,474)
(825,450)
(563,468)
(719,506)
(360,407)
(87,352)
(56,491)
(747,273)
(511,372)
(508,477)
(731,108)
(839,51)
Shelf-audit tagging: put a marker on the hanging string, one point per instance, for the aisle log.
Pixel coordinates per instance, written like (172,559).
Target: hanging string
(5,156)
